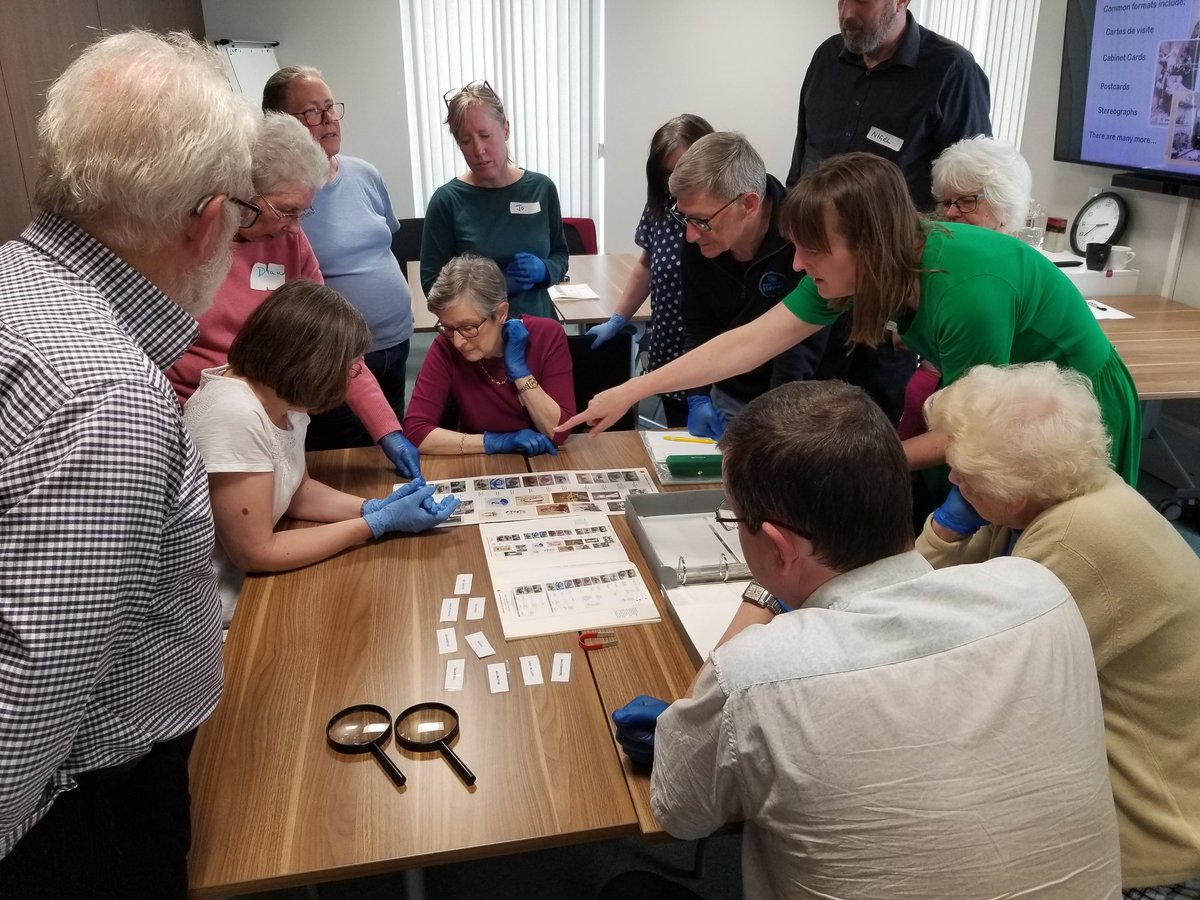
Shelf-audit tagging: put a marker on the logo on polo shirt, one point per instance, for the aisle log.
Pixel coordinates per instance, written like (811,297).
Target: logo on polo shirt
(772,284)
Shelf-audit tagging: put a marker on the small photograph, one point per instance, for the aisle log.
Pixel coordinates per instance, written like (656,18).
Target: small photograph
(616,506)
(560,478)
(532,499)
(584,478)
(497,484)
(498,501)
(481,484)
(466,508)
(570,496)
(593,540)
(553,509)
(489,514)
(529,480)
(1174,72)
(457,487)
(521,548)
(606,495)
(584,507)
(513,481)
(545,480)
(574,542)
(630,476)
(1183,142)
(624,573)
(537,534)
(512,552)
(606,577)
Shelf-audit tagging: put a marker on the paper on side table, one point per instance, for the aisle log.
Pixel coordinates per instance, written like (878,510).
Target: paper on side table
(572,292)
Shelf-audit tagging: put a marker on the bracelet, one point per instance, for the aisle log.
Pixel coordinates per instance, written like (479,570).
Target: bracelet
(528,383)
(462,441)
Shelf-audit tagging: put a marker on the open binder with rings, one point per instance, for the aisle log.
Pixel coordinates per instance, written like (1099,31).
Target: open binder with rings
(724,569)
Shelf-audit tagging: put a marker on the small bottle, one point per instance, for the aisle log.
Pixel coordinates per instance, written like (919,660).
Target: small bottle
(1056,234)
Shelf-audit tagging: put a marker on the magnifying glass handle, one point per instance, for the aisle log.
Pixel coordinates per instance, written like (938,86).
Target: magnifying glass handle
(388,766)
(457,764)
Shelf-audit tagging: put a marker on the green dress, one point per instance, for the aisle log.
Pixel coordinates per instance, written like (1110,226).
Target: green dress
(987,298)
(499,223)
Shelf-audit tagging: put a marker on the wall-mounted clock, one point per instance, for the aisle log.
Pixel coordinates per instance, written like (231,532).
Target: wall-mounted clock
(1102,220)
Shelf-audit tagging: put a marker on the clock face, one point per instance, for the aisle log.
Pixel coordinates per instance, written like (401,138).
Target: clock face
(1102,220)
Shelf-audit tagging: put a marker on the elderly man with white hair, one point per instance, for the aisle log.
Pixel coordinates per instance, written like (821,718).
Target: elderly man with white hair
(110,631)
(1028,452)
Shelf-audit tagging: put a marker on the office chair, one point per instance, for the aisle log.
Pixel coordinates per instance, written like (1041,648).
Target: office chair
(581,236)
(406,243)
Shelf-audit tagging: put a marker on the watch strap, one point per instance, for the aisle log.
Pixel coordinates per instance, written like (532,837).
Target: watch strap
(528,383)
(758,595)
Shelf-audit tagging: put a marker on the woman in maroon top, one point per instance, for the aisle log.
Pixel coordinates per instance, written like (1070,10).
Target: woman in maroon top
(489,384)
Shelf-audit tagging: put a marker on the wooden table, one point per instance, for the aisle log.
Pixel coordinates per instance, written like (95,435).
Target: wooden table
(1160,345)
(274,806)
(605,274)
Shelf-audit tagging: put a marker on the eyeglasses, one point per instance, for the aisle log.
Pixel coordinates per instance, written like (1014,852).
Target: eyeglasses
(248,213)
(727,520)
(704,225)
(466,331)
(449,96)
(296,214)
(334,111)
(967,203)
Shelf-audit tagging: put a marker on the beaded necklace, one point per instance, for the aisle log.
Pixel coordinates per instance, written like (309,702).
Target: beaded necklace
(488,375)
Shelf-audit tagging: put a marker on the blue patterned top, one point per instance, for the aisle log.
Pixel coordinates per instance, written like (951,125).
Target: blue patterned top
(664,240)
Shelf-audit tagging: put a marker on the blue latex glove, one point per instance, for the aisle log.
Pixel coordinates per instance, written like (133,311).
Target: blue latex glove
(635,723)
(411,512)
(606,331)
(526,271)
(958,515)
(370,506)
(527,441)
(704,419)
(516,340)
(402,454)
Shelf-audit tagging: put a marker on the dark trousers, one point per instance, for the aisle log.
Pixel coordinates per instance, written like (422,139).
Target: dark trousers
(674,411)
(123,834)
(883,372)
(339,427)
(640,885)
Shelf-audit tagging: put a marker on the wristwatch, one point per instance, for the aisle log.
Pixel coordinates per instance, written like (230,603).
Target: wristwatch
(760,596)
(528,383)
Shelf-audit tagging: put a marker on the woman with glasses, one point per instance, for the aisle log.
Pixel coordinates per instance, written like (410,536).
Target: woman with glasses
(982,181)
(489,383)
(296,354)
(960,295)
(656,273)
(270,249)
(351,230)
(495,209)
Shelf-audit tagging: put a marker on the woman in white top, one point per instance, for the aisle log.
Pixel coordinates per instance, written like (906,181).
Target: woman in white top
(296,354)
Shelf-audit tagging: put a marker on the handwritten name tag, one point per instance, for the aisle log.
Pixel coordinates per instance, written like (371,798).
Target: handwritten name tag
(266,276)
(525,209)
(879,136)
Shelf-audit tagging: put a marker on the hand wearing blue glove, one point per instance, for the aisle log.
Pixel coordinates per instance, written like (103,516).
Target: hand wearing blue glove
(527,441)
(516,341)
(704,419)
(606,331)
(402,454)
(370,506)
(635,723)
(524,272)
(410,509)
(958,515)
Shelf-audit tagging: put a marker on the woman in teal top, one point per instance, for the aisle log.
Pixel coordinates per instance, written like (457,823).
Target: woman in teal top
(495,209)
(960,295)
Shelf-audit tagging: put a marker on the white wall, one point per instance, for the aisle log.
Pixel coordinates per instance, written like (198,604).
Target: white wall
(738,65)
(357,45)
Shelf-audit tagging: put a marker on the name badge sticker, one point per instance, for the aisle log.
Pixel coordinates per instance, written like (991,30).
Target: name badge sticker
(525,209)
(266,276)
(879,136)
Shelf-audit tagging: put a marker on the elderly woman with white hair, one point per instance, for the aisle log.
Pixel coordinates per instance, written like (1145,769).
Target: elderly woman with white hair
(982,181)
(1028,452)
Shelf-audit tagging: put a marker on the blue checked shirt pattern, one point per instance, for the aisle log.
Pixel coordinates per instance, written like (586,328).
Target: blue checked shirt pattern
(110,636)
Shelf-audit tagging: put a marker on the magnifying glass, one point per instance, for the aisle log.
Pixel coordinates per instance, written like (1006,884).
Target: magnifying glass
(364,728)
(432,726)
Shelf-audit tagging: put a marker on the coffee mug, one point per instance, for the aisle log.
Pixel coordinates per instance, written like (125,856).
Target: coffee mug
(1096,256)
(1119,257)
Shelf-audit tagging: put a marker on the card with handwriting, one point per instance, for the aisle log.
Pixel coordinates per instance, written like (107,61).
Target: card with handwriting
(462,584)
(561,670)
(475,607)
(449,609)
(447,642)
(531,670)
(455,669)
(498,678)
(478,642)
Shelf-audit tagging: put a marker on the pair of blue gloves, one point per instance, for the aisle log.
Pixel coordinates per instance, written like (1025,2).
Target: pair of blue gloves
(958,515)
(410,508)
(704,419)
(527,441)
(525,272)
(635,723)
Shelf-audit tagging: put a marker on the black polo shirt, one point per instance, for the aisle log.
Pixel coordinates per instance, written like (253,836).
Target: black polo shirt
(908,109)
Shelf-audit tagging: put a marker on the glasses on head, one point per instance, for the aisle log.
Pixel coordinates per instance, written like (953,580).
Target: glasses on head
(334,111)
(449,96)
(282,214)
(965,204)
(727,520)
(465,331)
(247,213)
(356,369)
(697,223)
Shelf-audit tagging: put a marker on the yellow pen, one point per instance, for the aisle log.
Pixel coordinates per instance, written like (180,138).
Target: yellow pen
(688,440)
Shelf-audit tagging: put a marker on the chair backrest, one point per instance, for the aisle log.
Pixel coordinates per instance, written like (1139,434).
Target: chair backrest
(598,370)
(581,236)
(406,242)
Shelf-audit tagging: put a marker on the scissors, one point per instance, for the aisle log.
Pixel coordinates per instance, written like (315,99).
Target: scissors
(601,640)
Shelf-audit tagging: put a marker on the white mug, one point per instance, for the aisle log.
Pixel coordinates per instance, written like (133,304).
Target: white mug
(1119,257)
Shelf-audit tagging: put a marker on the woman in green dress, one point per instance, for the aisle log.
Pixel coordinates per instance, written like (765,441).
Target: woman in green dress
(960,295)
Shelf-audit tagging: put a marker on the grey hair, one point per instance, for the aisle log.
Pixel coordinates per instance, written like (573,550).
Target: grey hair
(286,157)
(722,163)
(1032,430)
(469,277)
(135,132)
(988,166)
(275,91)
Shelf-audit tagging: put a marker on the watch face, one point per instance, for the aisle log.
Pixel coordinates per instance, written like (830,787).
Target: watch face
(1100,221)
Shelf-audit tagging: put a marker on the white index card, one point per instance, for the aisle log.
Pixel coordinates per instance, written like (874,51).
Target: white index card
(478,642)
(531,670)
(462,584)
(498,678)
(561,670)
(449,609)
(447,642)
(454,674)
(475,607)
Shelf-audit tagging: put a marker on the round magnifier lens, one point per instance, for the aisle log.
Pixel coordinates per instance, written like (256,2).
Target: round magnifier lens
(431,726)
(359,726)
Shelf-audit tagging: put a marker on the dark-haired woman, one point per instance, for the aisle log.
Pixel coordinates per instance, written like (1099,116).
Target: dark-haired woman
(962,296)
(656,273)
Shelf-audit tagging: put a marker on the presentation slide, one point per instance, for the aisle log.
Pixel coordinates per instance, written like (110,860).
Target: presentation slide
(1141,92)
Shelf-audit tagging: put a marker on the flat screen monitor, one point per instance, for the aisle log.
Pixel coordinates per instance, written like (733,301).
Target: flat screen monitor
(1129,94)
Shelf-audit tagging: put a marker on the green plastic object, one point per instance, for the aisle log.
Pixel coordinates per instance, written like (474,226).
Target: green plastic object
(694,465)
